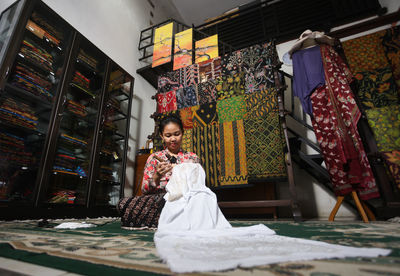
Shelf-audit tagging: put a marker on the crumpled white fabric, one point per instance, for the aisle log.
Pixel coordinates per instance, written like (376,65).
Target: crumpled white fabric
(74,225)
(194,236)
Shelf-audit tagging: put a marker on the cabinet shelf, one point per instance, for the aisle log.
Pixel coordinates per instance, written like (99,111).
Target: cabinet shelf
(119,94)
(83,90)
(20,129)
(36,65)
(87,68)
(27,95)
(43,42)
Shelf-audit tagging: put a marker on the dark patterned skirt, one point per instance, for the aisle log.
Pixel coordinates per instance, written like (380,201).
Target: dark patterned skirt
(141,211)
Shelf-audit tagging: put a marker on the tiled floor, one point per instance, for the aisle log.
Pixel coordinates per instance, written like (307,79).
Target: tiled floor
(10,267)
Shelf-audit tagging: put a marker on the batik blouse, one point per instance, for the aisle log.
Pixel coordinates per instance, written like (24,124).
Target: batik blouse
(148,184)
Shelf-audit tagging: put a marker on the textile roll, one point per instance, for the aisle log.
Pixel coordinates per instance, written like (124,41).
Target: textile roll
(207,92)
(231,109)
(230,86)
(205,114)
(186,115)
(393,162)
(188,75)
(365,53)
(261,103)
(264,148)
(206,146)
(233,165)
(166,102)
(186,96)
(377,88)
(209,69)
(187,140)
(391,44)
(385,123)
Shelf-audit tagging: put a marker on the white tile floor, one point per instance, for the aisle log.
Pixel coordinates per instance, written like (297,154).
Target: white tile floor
(9,267)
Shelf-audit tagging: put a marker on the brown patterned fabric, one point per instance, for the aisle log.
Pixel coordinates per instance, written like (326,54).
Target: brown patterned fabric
(141,211)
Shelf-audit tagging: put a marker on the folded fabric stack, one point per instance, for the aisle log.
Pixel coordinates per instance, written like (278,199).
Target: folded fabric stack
(63,196)
(76,108)
(108,147)
(90,61)
(65,162)
(73,140)
(81,80)
(53,34)
(32,81)
(106,173)
(108,123)
(36,54)
(41,33)
(12,149)
(18,114)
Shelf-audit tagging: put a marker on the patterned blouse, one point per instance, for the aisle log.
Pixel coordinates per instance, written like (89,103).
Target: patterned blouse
(148,185)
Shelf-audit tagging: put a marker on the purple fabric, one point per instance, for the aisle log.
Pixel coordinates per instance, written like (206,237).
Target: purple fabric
(308,74)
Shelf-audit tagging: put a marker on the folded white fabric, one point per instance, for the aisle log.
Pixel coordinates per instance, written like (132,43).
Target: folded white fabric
(194,236)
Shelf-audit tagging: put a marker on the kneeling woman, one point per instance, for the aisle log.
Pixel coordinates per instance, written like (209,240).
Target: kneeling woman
(144,211)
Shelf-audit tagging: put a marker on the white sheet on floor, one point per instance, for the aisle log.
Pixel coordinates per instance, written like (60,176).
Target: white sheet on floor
(194,236)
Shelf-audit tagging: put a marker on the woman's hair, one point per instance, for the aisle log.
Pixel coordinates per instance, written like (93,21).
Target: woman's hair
(170,119)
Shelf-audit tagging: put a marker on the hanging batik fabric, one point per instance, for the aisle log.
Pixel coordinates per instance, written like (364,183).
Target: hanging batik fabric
(168,82)
(393,161)
(365,53)
(259,104)
(335,117)
(232,145)
(206,146)
(231,63)
(385,123)
(187,140)
(188,75)
(186,115)
(186,96)
(209,69)
(205,114)
(391,44)
(207,92)
(231,109)
(230,86)
(377,88)
(166,101)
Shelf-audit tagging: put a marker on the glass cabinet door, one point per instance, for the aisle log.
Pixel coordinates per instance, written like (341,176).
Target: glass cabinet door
(27,101)
(113,138)
(69,178)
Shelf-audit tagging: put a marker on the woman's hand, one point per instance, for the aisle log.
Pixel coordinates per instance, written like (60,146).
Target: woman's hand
(161,169)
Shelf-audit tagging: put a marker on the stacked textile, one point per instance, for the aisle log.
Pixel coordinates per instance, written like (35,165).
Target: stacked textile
(36,54)
(229,112)
(65,161)
(374,61)
(19,114)
(81,80)
(76,108)
(106,173)
(73,140)
(30,80)
(13,150)
(87,59)
(51,32)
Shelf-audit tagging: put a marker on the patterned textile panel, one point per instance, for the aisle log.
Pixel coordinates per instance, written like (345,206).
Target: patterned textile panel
(233,165)
(385,123)
(231,109)
(207,92)
(168,82)
(166,102)
(230,86)
(206,146)
(186,115)
(365,53)
(261,103)
(209,69)
(186,96)
(377,88)
(205,114)
(231,63)
(188,75)
(393,161)
(391,44)
(264,150)
(187,140)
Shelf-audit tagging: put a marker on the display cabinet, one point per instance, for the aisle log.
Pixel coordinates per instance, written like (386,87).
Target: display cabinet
(64,118)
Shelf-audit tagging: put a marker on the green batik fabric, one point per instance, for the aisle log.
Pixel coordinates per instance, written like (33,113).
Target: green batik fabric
(264,150)
(261,103)
(377,88)
(230,85)
(391,44)
(365,53)
(206,146)
(231,109)
(205,114)
(187,140)
(385,123)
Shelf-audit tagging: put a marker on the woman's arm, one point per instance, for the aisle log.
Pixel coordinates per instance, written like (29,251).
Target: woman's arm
(148,183)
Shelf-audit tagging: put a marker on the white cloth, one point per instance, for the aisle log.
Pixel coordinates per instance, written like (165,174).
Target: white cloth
(194,236)
(74,225)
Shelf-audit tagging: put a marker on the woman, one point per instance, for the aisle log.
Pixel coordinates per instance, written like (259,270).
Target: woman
(144,211)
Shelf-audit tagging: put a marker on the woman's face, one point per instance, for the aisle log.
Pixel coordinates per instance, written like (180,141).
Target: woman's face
(172,136)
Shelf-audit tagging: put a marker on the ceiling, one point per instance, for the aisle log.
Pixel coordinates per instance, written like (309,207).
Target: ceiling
(196,11)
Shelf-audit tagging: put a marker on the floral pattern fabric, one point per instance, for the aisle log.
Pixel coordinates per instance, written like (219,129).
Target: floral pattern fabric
(166,102)
(168,82)
(231,109)
(186,96)
(207,92)
(377,88)
(385,124)
(230,86)
(231,63)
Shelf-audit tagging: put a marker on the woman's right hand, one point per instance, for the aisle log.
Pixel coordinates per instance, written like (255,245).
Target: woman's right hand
(161,169)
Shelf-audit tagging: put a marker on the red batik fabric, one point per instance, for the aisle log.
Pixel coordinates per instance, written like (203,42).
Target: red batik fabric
(335,120)
(166,101)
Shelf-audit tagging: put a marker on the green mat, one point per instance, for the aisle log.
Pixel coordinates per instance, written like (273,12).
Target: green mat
(109,250)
